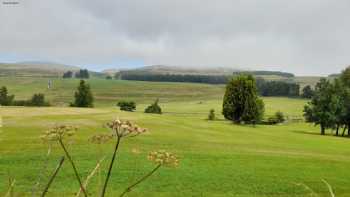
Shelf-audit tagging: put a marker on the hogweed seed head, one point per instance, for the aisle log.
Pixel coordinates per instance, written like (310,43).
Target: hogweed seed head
(100,138)
(125,128)
(162,157)
(58,132)
(135,151)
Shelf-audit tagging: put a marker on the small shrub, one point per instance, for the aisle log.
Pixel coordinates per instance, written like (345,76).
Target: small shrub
(38,100)
(68,74)
(20,103)
(280,117)
(272,120)
(211,115)
(109,77)
(127,105)
(276,119)
(154,108)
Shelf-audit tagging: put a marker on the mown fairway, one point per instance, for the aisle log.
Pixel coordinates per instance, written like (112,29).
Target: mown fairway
(217,158)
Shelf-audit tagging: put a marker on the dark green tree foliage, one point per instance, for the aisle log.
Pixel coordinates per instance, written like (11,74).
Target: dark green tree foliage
(241,103)
(277,88)
(109,77)
(83,96)
(341,112)
(345,77)
(68,74)
(211,115)
(38,100)
(263,72)
(127,105)
(278,117)
(307,92)
(82,74)
(118,76)
(211,79)
(342,89)
(5,99)
(322,108)
(154,108)
(265,88)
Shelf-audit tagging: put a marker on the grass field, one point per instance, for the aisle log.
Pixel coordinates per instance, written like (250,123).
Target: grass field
(217,158)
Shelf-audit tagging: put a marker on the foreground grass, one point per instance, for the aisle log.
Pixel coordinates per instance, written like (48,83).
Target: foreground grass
(217,158)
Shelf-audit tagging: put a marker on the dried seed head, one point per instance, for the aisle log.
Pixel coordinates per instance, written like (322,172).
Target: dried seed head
(163,158)
(58,132)
(125,128)
(135,151)
(100,138)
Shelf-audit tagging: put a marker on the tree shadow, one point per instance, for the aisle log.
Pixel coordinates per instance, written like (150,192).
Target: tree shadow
(313,133)
(307,132)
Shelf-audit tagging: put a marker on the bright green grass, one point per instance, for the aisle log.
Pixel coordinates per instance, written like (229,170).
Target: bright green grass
(217,157)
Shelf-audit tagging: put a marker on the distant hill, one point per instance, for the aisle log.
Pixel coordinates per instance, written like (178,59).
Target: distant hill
(40,69)
(110,71)
(180,70)
(218,71)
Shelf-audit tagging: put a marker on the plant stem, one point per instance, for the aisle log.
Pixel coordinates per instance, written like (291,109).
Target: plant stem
(53,176)
(41,172)
(74,168)
(11,185)
(110,167)
(140,180)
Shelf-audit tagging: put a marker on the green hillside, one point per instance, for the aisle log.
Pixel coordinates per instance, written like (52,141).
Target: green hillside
(217,158)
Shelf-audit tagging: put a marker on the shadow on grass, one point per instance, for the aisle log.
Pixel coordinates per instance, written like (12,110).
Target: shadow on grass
(313,133)
(306,132)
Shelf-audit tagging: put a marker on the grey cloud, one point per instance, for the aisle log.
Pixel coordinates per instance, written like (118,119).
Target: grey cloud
(305,37)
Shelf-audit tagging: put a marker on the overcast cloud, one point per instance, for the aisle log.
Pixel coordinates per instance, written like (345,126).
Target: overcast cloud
(306,37)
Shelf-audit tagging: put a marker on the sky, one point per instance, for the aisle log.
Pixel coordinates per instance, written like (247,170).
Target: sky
(305,37)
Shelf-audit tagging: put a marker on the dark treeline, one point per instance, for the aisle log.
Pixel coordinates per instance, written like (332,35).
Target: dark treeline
(264,72)
(81,74)
(265,88)
(9,100)
(211,79)
(277,88)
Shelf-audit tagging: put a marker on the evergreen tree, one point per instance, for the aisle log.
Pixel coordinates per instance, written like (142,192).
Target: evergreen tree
(5,99)
(83,96)
(241,103)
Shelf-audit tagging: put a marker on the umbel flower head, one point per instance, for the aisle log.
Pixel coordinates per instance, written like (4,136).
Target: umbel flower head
(100,138)
(125,128)
(58,132)
(162,157)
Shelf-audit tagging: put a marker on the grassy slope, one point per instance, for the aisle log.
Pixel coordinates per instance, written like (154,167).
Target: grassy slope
(30,69)
(108,92)
(217,158)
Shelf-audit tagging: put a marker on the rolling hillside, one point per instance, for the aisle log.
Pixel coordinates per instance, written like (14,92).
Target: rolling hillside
(34,69)
(55,70)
